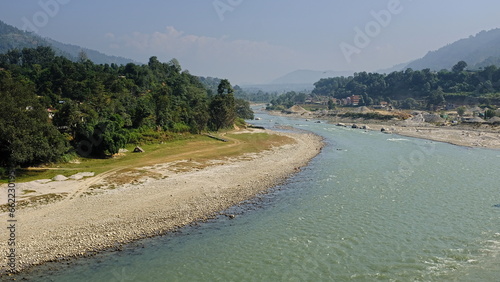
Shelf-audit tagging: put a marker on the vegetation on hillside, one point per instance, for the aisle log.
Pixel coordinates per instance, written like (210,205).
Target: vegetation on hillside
(286,101)
(14,38)
(480,50)
(96,109)
(212,84)
(417,89)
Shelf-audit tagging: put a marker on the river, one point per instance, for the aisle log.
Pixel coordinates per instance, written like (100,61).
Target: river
(371,206)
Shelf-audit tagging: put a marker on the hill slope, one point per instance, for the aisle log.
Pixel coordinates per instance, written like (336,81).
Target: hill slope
(308,76)
(11,37)
(479,50)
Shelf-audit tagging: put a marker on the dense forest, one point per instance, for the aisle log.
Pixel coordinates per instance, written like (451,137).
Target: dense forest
(417,89)
(53,108)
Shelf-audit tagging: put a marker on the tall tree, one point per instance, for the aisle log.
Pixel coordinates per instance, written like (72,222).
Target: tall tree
(243,109)
(459,67)
(222,106)
(26,135)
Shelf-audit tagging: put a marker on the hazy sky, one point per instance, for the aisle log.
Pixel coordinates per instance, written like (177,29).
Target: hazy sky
(258,40)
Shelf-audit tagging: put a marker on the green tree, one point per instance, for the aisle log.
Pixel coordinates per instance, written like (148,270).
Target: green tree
(489,113)
(200,116)
(163,97)
(82,56)
(459,67)
(105,138)
(331,104)
(243,109)
(218,111)
(461,111)
(68,116)
(26,135)
(436,98)
(102,104)
(143,109)
(410,103)
(222,106)
(114,137)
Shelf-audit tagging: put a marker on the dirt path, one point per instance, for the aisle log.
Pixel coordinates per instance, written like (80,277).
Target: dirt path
(84,224)
(101,178)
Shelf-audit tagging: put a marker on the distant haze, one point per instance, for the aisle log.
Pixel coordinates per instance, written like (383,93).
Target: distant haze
(308,76)
(258,41)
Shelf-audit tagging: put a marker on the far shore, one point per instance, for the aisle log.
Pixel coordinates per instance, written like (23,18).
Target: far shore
(85,223)
(468,135)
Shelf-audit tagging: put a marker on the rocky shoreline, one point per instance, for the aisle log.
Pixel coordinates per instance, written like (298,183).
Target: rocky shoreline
(468,135)
(85,225)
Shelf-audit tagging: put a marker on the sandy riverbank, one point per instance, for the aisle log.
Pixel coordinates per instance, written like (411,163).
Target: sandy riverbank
(469,135)
(482,137)
(84,223)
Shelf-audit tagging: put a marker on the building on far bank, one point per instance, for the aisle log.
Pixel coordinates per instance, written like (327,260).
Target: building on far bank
(355,99)
(351,100)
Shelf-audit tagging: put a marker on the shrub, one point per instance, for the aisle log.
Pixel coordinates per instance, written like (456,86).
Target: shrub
(180,127)
(3,173)
(66,158)
(240,122)
(134,137)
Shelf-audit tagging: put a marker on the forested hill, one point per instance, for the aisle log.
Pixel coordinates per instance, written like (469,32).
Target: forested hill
(428,88)
(477,51)
(53,108)
(14,38)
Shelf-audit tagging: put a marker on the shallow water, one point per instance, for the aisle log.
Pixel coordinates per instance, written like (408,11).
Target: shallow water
(370,206)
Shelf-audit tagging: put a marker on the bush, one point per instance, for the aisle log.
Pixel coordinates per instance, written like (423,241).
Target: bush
(239,122)
(3,173)
(180,127)
(66,158)
(489,113)
(134,137)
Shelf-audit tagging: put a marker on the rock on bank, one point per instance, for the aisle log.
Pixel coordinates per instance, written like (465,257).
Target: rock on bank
(84,225)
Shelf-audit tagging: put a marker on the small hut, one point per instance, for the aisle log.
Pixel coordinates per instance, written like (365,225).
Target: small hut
(139,150)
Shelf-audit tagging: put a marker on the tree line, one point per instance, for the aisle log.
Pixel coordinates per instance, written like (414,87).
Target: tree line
(415,88)
(96,109)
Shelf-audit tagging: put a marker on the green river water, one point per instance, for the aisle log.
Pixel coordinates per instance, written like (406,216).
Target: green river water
(370,207)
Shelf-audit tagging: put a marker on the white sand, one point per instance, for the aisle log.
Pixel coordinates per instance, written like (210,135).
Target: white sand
(469,135)
(82,224)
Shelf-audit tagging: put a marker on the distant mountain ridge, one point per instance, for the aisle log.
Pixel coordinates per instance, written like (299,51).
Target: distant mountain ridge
(308,76)
(480,50)
(398,67)
(14,38)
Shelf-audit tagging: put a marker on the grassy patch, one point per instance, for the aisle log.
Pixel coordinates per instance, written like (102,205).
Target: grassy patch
(256,142)
(314,107)
(198,149)
(35,201)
